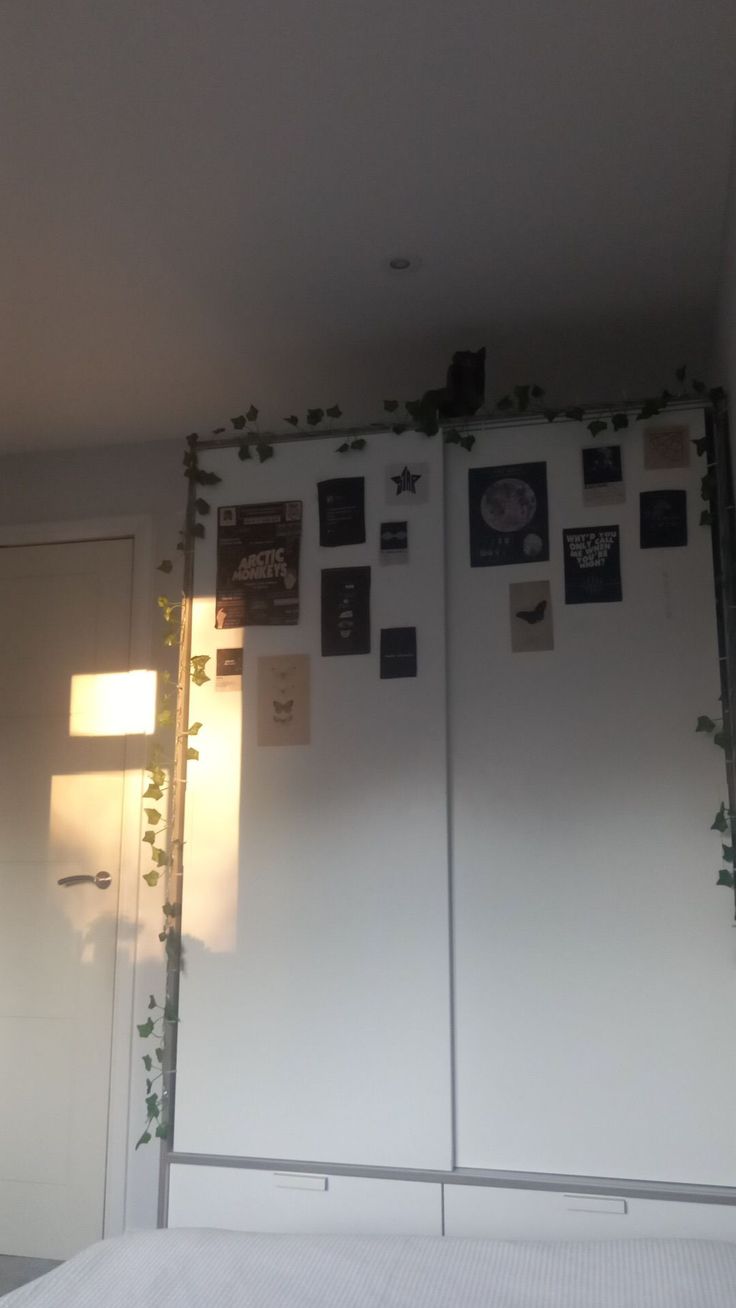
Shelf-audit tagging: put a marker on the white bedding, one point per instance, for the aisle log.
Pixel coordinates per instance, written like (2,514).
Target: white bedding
(228,1269)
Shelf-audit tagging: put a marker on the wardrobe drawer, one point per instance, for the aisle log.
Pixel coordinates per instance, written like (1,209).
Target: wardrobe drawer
(506,1214)
(241,1199)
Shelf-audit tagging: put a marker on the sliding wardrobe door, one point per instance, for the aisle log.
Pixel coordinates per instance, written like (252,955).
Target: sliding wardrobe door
(594,955)
(315,996)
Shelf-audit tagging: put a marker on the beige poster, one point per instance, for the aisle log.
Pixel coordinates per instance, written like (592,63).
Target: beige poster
(666,447)
(283,699)
(530,612)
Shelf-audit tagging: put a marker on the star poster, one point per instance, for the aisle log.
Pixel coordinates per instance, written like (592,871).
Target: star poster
(509,521)
(407,483)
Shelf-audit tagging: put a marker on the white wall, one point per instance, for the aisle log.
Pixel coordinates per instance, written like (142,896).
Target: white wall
(78,485)
(725,338)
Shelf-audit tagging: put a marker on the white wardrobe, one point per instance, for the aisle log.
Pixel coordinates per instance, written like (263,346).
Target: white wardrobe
(470,932)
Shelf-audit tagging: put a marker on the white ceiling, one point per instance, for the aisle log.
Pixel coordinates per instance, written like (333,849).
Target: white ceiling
(200,196)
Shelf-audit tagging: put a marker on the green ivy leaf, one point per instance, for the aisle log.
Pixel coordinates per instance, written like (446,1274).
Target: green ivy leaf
(314,416)
(551,414)
(217,431)
(153,817)
(244,451)
(151,878)
(160,858)
(575,414)
(537,392)
(725,878)
(619,421)
(195,729)
(649,409)
(701,445)
(171,910)
(716,395)
(147,1062)
(597,426)
(358,443)
(152,1001)
(398,428)
(342,449)
(264,451)
(239,422)
(292,419)
(149,1085)
(159,1054)
(252,413)
(727,853)
(334,412)
(149,838)
(198,530)
(467,441)
(165,566)
(452,436)
(170,1013)
(705,723)
(198,674)
(162,936)
(706,518)
(390,406)
(192,752)
(721,740)
(172,637)
(165,718)
(707,486)
(145,1028)
(720,821)
(207,478)
(144,1139)
(152,1107)
(162,1131)
(202,506)
(153,792)
(157,775)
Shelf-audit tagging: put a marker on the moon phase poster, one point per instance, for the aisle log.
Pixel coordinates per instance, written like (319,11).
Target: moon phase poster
(346,619)
(258,565)
(509,518)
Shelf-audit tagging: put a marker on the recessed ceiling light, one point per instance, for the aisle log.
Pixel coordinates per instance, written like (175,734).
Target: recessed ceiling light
(400,264)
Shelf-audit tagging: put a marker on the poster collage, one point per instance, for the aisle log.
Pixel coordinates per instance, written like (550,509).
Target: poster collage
(258,547)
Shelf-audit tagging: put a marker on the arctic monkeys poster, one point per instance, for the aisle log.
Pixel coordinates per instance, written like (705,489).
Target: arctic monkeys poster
(258,565)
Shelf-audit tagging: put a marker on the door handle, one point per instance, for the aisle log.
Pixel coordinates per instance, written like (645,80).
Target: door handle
(102,880)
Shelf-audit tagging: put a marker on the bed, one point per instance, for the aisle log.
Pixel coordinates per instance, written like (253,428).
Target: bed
(229,1269)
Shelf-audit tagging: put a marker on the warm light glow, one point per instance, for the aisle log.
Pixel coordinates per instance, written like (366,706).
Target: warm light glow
(113,704)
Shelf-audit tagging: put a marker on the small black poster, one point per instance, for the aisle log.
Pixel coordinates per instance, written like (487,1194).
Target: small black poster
(229,662)
(342,511)
(663,518)
(398,652)
(394,537)
(509,520)
(592,565)
(346,620)
(603,480)
(258,565)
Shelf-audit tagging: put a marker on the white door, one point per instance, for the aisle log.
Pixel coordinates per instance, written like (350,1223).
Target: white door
(65,611)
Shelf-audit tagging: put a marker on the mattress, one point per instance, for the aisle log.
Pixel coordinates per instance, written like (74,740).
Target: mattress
(229,1269)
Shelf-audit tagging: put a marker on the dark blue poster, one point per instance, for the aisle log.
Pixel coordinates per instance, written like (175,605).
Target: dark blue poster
(509,518)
